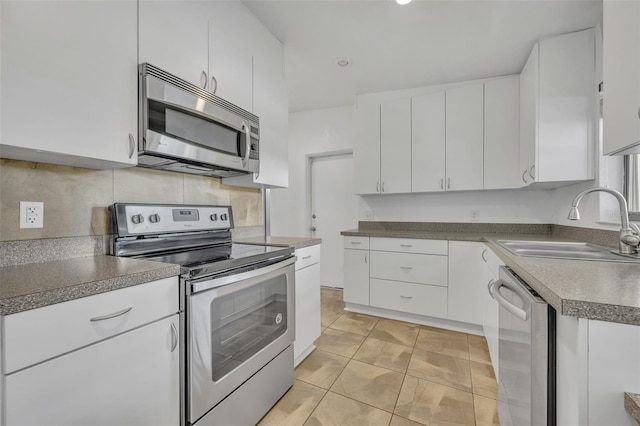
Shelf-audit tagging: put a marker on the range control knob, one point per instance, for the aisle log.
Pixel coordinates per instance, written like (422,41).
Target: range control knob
(214,217)
(137,218)
(224,216)
(154,218)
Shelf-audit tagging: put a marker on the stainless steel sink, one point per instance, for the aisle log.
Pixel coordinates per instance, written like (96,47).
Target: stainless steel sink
(566,250)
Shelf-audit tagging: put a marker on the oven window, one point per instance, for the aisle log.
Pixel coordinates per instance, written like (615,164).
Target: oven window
(244,322)
(194,129)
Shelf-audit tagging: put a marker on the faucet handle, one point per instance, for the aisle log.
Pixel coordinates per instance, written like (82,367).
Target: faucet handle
(631,240)
(635,228)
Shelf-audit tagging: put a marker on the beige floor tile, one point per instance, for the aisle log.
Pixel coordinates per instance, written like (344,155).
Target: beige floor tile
(339,342)
(295,407)
(369,384)
(328,317)
(483,380)
(321,368)
(384,354)
(450,333)
(478,349)
(486,410)
(446,343)
(434,404)
(444,369)
(401,421)
(355,323)
(403,333)
(336,410)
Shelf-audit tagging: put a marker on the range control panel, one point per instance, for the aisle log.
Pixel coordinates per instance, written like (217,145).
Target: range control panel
(140,219)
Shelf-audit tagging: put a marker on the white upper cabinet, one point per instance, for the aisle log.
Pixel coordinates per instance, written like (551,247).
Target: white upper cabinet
(558,92)
(464,130)
(395,146)
(621,75)
(502,133)
(428,142)
(69,82)
(366,156)
(173,37)
(231,52)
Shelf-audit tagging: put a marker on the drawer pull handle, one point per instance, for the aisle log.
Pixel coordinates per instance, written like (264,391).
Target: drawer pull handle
(406,245)
(406,297)
(482,255)
(356,242)
(174,337)
(408,268)
(306,257)
(113,315)
(489,289)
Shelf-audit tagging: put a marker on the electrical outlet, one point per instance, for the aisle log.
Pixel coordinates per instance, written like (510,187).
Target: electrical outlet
(475,215)
(31,214)
(368,214)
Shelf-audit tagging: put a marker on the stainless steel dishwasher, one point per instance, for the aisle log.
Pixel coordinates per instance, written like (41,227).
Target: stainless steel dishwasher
(526,389)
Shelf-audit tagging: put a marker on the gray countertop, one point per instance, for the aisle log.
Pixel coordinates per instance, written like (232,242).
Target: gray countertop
(606,291)
(34,285)
(632,405)
(295,242)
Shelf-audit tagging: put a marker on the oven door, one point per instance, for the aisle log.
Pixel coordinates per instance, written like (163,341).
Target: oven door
(236,326)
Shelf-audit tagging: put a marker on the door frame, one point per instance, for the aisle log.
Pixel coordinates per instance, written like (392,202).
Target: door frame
(309,184)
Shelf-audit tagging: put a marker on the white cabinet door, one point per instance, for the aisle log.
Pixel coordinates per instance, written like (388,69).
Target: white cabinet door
(131,379)
(395,146)
(356,276)
(230,52)
(307,310)
(366,153)
(567,108)
(428,142)
(502,133)
(69,82)
(464,130)
(466,269)
(621,74)
(490,313)
(529,117)
(173,36)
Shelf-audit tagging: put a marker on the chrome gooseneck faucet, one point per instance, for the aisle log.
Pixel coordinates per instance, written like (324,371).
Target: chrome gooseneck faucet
(629,234)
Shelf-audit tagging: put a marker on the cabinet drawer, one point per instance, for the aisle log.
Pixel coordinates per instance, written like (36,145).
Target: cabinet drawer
(408,267)
(356,243)
(412,298)
(406,245)
(39,334)
(307,256)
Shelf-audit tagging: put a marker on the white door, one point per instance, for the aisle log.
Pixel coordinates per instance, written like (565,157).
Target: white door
(335,209)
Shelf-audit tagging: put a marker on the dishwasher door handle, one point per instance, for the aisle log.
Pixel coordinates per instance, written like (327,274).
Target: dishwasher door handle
(494,290)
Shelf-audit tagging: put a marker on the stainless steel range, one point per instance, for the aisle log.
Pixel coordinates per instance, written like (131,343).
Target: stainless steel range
(237,307)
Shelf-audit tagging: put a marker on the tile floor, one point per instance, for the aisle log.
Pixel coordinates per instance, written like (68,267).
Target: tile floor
(374,371)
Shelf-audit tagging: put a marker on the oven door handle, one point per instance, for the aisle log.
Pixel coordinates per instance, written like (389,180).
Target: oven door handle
(209,283)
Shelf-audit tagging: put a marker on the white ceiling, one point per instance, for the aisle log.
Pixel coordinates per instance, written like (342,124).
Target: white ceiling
(396,47)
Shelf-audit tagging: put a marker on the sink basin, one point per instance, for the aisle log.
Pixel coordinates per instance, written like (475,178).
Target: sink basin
(566,250)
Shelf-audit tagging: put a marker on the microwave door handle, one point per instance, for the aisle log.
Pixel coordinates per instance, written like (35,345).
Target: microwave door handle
(247,132)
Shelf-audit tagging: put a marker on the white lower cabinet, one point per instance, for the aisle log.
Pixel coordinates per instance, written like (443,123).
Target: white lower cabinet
(465,291)
(307,301)
(490,307)
(130,379)
(412,298)
(356,276)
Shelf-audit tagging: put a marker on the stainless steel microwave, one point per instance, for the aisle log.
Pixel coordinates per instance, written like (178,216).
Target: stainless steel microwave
(187,129)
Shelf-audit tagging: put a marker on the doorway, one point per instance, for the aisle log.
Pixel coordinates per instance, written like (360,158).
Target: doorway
(334,208)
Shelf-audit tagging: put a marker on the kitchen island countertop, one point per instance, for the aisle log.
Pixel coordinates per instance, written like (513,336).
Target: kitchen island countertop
(605,291)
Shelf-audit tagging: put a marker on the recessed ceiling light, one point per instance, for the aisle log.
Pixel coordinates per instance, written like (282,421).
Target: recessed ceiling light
(343,62)
(403,2)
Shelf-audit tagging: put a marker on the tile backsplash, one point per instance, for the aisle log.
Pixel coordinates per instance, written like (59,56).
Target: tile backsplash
(76,200)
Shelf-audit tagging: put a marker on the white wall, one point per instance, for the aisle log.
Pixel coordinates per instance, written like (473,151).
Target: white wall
(310,132)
